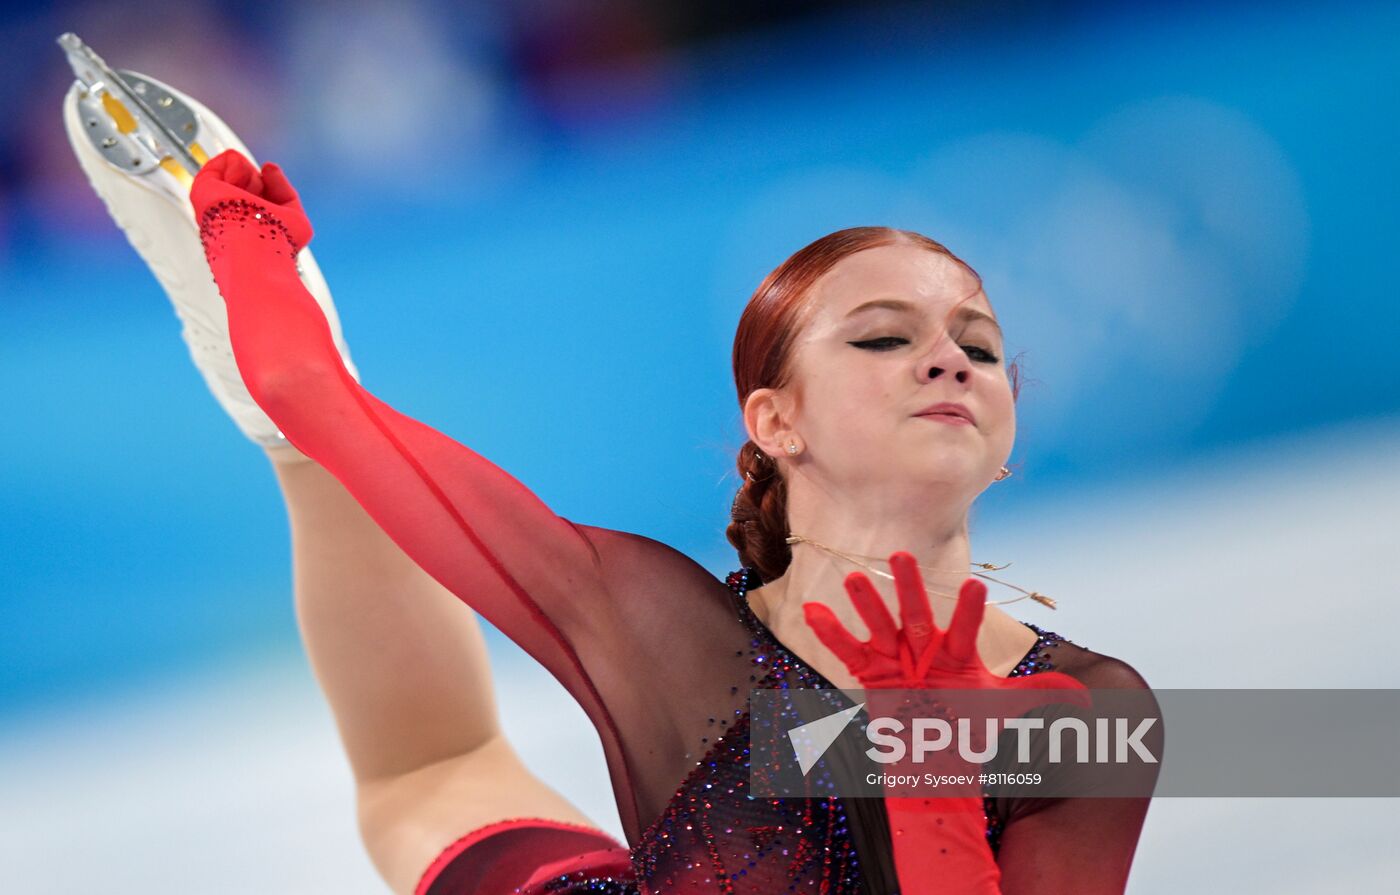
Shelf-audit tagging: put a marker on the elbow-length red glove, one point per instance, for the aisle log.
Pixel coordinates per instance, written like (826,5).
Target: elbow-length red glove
(939,843)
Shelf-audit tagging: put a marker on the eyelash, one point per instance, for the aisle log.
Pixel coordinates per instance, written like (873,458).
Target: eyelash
(868,345)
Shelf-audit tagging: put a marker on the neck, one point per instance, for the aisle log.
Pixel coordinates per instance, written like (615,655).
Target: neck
(819,569)
(938,541)
(932,527)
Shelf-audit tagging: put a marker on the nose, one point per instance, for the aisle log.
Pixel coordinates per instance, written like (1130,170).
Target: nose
(945,359)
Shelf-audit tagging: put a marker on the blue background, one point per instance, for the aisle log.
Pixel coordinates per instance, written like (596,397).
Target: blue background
(1184,215)
(571,317)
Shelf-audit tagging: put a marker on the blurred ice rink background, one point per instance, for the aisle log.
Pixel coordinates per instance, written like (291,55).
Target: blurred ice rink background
(541,220)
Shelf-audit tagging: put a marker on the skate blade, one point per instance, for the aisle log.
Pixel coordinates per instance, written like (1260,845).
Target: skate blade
(141,126)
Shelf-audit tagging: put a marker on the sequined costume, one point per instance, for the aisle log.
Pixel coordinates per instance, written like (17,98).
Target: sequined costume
(660,654)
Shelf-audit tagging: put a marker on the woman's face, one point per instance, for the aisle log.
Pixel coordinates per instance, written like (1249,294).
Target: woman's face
(892,330)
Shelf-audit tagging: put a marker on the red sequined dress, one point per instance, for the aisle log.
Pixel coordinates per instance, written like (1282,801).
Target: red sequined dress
(660,654)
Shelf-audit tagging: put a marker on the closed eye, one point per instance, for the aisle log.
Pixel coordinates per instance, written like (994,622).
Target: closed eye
(887,343)
(884,343)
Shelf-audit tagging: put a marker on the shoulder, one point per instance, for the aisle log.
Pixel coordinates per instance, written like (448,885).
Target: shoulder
(1094,669)
(1107,672)
(639,570)
(1100,671)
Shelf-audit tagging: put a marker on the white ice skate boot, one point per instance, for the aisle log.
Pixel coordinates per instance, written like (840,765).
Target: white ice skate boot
(140,141)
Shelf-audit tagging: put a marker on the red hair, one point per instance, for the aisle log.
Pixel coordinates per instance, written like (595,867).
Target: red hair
(762,353)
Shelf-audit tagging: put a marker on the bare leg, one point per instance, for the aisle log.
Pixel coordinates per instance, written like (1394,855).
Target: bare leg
(404,667)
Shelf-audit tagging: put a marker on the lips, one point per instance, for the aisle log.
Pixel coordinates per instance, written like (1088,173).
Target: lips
(948,408)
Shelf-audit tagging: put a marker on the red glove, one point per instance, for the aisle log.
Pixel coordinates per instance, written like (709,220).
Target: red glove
(939,843)
(229,176)
(252,226)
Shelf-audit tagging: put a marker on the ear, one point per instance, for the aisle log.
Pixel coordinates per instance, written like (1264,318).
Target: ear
(767,417)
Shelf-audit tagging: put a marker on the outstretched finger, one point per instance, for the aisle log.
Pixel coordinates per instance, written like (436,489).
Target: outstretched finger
(831,632)
(884,636)
(915,614)
(961,642)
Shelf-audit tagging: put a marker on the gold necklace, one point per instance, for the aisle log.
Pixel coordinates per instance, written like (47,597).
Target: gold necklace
(858,557)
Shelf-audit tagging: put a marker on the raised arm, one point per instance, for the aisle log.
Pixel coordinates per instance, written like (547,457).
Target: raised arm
(468,524)
(464,520)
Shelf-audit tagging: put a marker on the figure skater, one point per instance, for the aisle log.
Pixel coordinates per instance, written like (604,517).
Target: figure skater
(869,372)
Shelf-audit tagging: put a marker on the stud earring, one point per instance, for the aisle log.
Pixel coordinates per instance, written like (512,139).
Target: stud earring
(1004,474)
(792,447)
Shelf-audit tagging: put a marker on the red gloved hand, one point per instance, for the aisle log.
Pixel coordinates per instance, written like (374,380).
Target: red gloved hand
(252,226)
(229,176)
(939,842)
(917,655)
